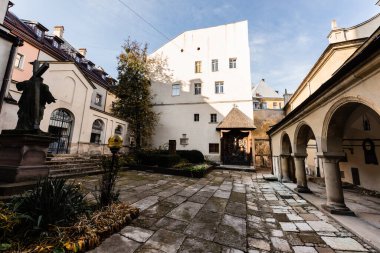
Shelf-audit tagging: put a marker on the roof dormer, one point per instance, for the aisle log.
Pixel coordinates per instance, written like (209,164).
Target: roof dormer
(37,27)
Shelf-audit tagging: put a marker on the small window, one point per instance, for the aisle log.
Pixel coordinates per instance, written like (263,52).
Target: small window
(213,147)
(232,63)
(96,132)
(274,105)
(214,65)
(175,89)
(196,117)
(198,65)
(219,87)
(19,61)
(213,118)
(89,67)
(280,105)
(77,59)
(264,105)
(55,44)
(39,33)
(98,99)
(184,140)
(197,89)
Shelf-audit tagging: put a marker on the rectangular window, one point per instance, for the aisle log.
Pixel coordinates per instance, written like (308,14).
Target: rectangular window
(280,105)
(98,99)
(232,63)
(39,33)
(55,44)
(264,105)
(219,87)
(213,147)
(196,116)
(198,65)
(274,105)
(197,89)
(175,89)
(213,118)
(214,65)
(19,61)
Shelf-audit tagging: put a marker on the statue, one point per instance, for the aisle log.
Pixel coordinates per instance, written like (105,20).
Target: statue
(33,100)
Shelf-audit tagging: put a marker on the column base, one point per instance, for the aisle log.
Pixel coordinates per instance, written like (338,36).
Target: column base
(302,189)
(286,180)
(338,210)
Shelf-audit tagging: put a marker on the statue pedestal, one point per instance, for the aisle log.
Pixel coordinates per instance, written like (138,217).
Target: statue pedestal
(22,159)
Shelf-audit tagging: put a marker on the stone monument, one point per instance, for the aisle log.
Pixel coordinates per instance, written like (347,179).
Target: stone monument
(23,150)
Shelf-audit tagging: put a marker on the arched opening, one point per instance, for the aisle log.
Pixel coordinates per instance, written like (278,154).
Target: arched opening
(60,127)
(287,162)
(306,144)
(97,131)
(354,131)
(119,130)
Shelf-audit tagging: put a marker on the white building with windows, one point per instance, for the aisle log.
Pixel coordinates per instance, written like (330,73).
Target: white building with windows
(210,80)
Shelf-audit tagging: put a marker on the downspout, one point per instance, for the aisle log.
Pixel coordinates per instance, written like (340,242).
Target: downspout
(18,42)
(271,153)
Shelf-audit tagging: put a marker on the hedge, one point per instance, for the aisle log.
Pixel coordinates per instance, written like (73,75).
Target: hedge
(193,156)
(162,160)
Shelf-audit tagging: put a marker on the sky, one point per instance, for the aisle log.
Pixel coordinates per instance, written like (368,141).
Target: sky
(285,37)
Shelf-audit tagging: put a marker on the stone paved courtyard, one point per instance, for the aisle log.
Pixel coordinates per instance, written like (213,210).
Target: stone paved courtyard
(227,211)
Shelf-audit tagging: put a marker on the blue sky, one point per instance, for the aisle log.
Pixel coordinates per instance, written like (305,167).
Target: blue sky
(286,37)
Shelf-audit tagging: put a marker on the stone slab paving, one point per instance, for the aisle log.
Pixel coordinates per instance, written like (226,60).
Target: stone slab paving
(227,211)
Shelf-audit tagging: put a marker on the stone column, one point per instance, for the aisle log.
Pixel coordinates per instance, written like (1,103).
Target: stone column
(285,168)
(299,160)
(334,191)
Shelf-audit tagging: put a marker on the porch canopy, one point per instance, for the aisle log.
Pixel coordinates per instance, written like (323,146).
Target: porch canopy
(236,119)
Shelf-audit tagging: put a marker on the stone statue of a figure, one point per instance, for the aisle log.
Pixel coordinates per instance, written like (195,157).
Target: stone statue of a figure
(35,96)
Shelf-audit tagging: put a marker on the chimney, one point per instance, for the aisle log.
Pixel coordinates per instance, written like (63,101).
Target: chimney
(58,31)
(82,51)
(3,10)
(334,26)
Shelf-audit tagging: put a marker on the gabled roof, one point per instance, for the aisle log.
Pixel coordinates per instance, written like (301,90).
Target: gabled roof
(66,52)
(263,90)
(236,119)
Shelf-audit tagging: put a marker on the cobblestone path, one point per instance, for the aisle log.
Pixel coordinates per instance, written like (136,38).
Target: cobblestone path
(226,211)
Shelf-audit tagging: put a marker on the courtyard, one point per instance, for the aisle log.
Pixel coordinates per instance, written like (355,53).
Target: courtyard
(226,211)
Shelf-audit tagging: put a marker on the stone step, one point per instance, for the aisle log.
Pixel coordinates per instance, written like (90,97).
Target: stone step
(79,174)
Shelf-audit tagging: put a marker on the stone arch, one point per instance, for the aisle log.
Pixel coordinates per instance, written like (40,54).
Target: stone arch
(285,144)
(332,111)
(287,162)
(61,126)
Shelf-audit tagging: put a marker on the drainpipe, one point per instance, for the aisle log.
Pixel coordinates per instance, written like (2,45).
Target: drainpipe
(18,42)
(271,153)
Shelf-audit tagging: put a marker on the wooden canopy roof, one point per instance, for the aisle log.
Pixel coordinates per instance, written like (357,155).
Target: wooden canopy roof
(236,119)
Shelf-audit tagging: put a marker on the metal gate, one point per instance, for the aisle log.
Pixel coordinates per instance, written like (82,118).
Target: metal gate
(60,127)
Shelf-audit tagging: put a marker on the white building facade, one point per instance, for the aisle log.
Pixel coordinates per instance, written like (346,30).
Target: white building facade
(210,76)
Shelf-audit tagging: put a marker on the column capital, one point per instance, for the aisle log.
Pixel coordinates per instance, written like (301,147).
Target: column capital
(285,155)
(332,157)
(299,155)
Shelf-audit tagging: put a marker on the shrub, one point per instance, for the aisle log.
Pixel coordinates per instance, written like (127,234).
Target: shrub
(50,202)
(193,156)
(198,170)
(107,192)
(162,160)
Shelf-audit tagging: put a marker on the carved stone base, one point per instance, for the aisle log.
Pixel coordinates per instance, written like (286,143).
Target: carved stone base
(22,157)
(338,210)
(302,189)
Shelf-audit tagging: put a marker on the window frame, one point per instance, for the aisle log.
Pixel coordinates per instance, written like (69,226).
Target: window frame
(213,148)
(196,117)
(98,99)
(214,65)
(198,66)
(219,87)
(20,61)
(197,88)
(213,118)
(178,88)
(232,63)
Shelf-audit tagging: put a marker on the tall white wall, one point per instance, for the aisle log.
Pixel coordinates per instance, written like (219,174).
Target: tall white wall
(176,112)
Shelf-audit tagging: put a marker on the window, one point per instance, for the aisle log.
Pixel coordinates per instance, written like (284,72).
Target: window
(214,65)
(219,87)
(198,65)
(213,118)
(184,140)
(19,62)
(39,33)
(196,117)
(264,105)
(89,67)
(213,147)
(274,105)
(55,44)
(232,63)
(77,59)
(175,89)
(119,130)
(98,99)
(197,89)
(96,132)
(280,105)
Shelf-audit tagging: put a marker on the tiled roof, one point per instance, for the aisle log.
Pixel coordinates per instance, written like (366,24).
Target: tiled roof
(65,53)
(236,119)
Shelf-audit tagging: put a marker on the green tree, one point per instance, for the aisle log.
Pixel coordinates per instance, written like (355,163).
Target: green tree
(134,99)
